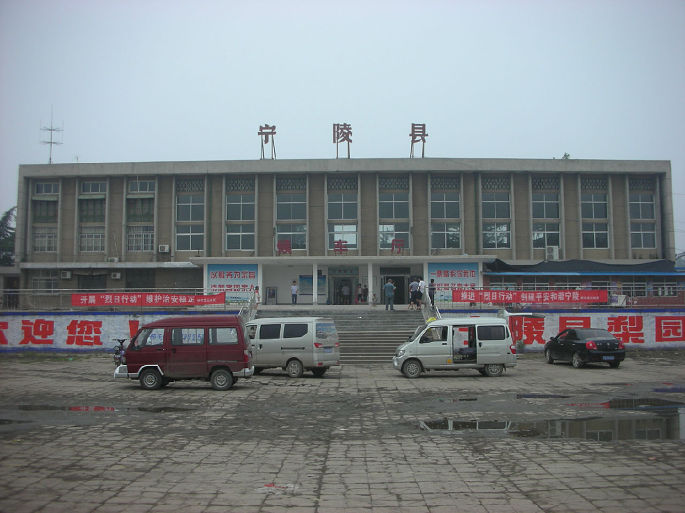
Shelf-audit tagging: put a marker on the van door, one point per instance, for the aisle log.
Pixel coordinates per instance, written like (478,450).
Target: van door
(492,343)
(147,349)
(187,354)
(433,348)
(463,344)
(298,341)
(268,345)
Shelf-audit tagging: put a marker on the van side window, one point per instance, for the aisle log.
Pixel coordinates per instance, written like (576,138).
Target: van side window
(267,331)
(434,334)
(294,330)
(223,336)
(491,333)
(187,336)
(150,337)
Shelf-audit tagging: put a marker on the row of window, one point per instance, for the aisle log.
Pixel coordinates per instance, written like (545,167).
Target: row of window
(291,219)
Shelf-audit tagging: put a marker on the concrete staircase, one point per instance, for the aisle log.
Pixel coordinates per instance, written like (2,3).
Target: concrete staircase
(367,335)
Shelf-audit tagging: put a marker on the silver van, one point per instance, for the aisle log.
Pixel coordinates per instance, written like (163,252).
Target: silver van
(481,343)
(294,344)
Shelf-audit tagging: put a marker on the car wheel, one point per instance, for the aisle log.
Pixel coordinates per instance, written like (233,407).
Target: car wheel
(614,365)
(294,368)
(577,361)
(150,379)
(221,379)
(412,369)
(319,371)
(493,369)
(548,356)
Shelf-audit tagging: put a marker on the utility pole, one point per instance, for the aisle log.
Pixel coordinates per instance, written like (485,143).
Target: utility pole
(52,131)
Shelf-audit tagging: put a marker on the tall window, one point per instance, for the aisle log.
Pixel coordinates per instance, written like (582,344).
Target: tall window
(496,212)
(240,213)
(92,205)
(140,215)
(445,212)
(393,211)
(642,213)
(594,209)
(546,205)
(44,219)
(342,211)
(291,211)
(190,214)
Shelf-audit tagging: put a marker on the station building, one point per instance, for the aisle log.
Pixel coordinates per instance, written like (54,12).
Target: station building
(333,225)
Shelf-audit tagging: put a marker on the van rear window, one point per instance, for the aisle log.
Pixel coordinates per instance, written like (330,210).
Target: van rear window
(325,330)
(294,330)
(491,333)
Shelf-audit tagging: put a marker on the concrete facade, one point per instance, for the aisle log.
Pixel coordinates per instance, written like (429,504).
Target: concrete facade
(79,217)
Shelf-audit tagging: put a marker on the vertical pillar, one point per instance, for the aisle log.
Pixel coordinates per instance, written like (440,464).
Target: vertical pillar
(371,280)
(315,283)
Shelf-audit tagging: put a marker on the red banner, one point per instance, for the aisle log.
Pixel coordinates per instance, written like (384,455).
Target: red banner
(529,296)
(146,299)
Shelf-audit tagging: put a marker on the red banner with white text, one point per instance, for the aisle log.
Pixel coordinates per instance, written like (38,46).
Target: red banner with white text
(146,299)
(529,296)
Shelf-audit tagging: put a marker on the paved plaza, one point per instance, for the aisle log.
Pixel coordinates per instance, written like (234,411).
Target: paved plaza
(361,439)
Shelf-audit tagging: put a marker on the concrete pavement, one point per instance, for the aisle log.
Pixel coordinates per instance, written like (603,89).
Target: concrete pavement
(74,440)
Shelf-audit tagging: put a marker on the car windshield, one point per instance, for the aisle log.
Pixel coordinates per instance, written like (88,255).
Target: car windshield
(593,333)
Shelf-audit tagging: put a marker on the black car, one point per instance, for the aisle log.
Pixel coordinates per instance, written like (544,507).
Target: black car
(585,345)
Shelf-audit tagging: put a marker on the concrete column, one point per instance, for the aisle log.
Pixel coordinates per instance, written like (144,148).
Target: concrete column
(315,283)
(370,278)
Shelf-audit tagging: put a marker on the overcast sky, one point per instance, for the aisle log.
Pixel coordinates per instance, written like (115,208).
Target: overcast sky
(176,80)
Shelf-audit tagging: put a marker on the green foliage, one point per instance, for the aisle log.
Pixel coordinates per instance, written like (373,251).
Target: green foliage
(7,227)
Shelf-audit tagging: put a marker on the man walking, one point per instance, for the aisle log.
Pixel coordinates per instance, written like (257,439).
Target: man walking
(389,291)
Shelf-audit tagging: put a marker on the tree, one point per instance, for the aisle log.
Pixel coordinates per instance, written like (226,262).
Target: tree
(7,237)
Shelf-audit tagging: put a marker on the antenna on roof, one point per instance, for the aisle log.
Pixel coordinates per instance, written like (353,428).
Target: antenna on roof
(52,131)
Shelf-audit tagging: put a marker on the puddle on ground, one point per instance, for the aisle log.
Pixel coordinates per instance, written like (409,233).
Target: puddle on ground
(541,396)
(101,409)
(655,424)
(639,404)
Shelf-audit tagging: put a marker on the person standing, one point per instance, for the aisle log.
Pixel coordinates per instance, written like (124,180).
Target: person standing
(432,287)
(413,289)
(365,293)
(421,292)
(346,293)
(389,291)
(293,292)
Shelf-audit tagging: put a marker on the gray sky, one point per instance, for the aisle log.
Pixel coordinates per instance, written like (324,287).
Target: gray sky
(137,80)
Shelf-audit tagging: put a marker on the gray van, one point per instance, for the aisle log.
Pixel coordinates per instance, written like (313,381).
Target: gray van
(480,343)
(294,344)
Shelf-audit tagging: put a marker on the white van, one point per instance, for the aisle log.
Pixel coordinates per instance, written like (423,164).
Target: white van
(481,343)
(294,344)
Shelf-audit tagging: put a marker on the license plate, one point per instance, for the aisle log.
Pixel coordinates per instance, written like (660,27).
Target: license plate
(607,357)
(330,350)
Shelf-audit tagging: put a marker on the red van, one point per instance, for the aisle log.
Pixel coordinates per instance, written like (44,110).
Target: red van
(209,347)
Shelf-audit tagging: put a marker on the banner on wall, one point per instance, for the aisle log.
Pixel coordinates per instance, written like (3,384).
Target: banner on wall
(534,296)
(146,299)
(238,281)
(95,331)
(450,276)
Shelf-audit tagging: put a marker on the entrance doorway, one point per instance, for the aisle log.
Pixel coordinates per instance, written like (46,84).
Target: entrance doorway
(401,288)
(340,286)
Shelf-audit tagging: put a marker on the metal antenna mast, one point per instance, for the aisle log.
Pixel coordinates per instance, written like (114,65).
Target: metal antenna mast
(52,130)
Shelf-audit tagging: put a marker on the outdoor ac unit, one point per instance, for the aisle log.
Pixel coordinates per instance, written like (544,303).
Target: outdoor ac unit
(163,248)
(116,276)
(65,275)
(113,259)
(552,253)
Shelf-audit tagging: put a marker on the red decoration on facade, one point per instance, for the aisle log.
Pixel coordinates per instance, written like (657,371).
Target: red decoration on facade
(37,332)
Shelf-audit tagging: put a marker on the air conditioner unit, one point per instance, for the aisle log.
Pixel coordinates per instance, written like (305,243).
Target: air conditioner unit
(163,248)
(65,275)
(113,259)
(551,252)
(116,276)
